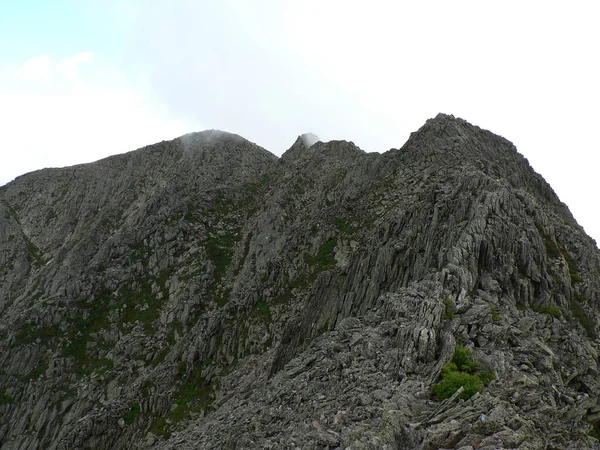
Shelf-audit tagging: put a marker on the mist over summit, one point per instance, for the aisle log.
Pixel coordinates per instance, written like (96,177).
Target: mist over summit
(309,139)
(204,293)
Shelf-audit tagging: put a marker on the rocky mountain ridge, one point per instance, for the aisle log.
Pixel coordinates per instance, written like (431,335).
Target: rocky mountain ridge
(203,293)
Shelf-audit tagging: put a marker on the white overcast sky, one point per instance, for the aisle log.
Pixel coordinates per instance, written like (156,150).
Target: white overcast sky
(83,80)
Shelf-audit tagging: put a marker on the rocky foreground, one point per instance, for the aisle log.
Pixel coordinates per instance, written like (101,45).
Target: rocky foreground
(204,294)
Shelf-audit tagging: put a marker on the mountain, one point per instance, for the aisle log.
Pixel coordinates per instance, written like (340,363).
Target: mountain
(202,293)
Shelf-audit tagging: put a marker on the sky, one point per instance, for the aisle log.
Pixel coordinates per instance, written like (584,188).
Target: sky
(80,81)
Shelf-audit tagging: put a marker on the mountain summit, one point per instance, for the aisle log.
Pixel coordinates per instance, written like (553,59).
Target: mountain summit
(203,293)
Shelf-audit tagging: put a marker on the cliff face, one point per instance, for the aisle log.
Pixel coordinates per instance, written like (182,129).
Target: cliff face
(202,293)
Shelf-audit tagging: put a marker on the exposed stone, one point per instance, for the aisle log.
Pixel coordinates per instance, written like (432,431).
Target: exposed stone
(202,293)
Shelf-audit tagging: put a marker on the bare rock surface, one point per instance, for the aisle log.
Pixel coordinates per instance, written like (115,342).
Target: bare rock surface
(204,294)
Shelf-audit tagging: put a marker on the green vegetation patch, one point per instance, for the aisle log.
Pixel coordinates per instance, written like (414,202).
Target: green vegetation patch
(83,362)
(548,309)
(219,296)
(324,257)
(343,226)
(140,252)
(552,249)
(12,212)
(134,302)
(463,360)
(93,317)
(323,260)
(134,411)
(195,394)
(219,249)
(263,311)
(453,379)
(449,307)
(246,252)
(255,188)
(572,263)
(4,398)
(555,250)
(586,321)
(29,333)
(138,305)
(575,277)
(81,337)
(495,313)
(595,431)
(35,255)
(37,372)
(191,215)
(161,427)
(463,371)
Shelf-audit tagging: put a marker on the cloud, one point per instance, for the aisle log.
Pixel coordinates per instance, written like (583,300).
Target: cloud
(309,139)
(36,69)
(43,68)
(227,66)
(54,114)
(69,66)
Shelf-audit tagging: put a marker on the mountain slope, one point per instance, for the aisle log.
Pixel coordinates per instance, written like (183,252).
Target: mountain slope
(202,293)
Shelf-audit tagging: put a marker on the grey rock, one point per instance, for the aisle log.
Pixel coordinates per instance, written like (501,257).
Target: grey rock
(203,293)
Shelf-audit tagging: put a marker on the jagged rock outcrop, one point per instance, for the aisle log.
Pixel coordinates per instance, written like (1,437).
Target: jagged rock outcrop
(203,293)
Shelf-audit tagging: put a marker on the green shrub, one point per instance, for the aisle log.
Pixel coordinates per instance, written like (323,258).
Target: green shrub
(463,360)
(453,380)
(461,371)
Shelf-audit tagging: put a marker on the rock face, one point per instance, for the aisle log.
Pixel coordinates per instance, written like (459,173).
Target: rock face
(203,293)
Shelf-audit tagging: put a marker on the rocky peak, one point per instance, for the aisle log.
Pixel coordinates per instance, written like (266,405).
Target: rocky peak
(301,146)
(210,139)
(447,135)
(448,140)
